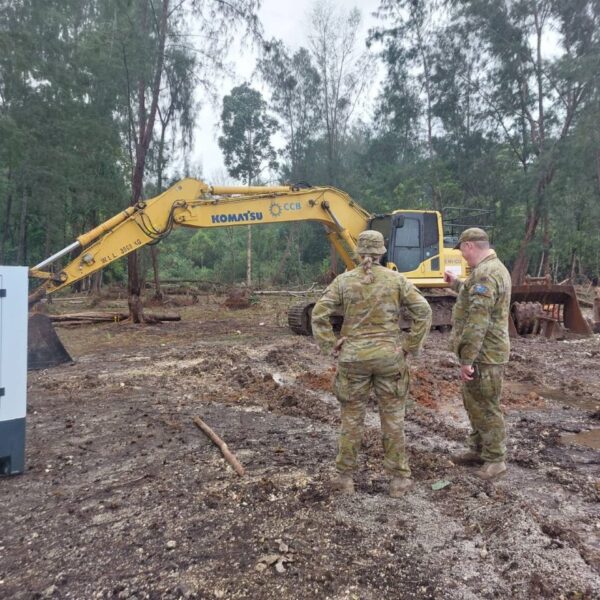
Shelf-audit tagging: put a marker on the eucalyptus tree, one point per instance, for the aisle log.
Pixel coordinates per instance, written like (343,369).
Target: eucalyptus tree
(176,111)
(60,148)
(247,130)
(409,34)
(152,31)
(246,142)
(345,70)
(541,61)
(294,84)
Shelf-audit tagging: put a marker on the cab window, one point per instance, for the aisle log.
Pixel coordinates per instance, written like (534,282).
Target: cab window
(407,245)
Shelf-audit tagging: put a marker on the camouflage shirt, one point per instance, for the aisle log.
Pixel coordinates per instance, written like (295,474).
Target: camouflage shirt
(480,315)
(371,314)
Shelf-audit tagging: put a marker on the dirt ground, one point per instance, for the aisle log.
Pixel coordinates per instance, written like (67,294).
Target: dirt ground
(125,498)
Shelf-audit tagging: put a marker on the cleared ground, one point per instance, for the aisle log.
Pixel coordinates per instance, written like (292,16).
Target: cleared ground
(125,498)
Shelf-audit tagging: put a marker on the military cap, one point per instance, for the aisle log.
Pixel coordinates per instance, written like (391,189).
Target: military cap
(473,234)
(370,242)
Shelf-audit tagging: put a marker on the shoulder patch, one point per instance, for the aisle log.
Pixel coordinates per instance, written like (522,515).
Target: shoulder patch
(482,290)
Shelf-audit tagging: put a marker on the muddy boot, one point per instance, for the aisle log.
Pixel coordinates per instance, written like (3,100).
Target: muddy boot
(491,471)
(343,484)
(469,457)
(399,486)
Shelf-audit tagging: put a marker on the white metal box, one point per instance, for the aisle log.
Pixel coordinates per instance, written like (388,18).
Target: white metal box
(13,368)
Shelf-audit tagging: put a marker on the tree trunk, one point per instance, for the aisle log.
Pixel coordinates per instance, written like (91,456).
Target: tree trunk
(7,216)
(542,261)
(95,283)
(598,169)
(574,263)
(22,231)
(249,258)
(298,244)
(164,123)
(145,127)
(47,236)
(533,218)
(134,300)
(522,261)
(158,295)
(232,252)
(546,253)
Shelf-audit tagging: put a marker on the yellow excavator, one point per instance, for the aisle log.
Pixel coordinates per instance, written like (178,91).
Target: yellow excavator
(415,239)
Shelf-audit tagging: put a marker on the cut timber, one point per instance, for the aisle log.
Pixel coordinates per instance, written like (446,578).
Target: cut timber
(286,292)
(311,290)
(229,456)
(98,317)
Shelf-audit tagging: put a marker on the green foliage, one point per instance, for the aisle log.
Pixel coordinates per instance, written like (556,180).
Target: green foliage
(247,131)
(467,115)
(294,82)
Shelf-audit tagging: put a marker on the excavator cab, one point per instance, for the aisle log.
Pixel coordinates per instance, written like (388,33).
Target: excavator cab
(415,243)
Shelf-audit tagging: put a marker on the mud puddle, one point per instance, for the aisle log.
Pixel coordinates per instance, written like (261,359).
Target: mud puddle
(590,438)
(534,396)
(581,402)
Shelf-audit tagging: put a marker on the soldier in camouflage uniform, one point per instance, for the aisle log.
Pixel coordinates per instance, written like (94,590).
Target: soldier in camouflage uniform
(371,355)
(480,340)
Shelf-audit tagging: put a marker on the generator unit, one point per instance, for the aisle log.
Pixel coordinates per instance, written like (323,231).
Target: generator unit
(13,368)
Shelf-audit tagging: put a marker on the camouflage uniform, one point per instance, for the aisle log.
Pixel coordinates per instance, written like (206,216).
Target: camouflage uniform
(372,356)
(480,338)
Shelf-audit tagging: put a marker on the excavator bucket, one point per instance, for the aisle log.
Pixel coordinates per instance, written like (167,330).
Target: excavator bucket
(44,348)
(541,308)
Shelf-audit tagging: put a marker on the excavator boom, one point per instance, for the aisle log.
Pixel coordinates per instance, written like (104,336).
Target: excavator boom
(192,203)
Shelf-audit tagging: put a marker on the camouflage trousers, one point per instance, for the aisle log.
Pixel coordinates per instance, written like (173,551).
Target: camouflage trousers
(481,398)
(388,377)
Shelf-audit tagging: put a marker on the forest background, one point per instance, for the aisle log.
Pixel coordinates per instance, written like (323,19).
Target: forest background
(482,105)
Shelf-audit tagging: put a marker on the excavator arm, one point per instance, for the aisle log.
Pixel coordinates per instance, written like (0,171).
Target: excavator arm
(192,203)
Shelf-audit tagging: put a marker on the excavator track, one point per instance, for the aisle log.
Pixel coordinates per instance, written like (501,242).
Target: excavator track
(441,309)
(299,315)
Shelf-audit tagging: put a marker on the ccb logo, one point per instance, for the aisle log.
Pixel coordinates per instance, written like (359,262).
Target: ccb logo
(276,209)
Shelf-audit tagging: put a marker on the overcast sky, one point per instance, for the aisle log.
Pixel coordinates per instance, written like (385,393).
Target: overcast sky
(283,19)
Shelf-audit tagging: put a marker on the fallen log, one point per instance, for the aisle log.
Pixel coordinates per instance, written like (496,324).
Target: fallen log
(227,454)
(99,317)
(286,292)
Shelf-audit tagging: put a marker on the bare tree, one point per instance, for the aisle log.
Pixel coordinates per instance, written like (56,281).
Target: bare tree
(157,25)
(344,69)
